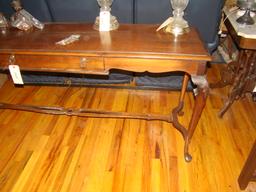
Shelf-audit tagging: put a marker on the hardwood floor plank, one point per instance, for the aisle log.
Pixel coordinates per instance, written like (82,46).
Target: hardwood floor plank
(30,166)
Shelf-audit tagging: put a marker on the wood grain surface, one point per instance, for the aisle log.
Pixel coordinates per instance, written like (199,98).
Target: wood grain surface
(136,38)
(59,153)
(136,48)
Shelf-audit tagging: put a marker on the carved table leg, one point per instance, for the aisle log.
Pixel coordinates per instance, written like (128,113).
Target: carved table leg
(203,89)
(243,79)
(227,76)
(200,101)
(229,73)
(178,111)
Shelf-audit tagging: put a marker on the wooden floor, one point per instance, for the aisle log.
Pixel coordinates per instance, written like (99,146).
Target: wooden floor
(58,153)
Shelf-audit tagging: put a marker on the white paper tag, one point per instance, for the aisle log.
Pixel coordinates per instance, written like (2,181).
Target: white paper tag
(254,90)
(104,21)
(165,23)
(16,75)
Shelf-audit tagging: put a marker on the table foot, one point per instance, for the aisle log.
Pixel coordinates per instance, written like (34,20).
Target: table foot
(175,112)
(188,157)
(225,108)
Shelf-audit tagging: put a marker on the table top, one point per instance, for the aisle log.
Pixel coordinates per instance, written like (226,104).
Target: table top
(130,40)
(244,36)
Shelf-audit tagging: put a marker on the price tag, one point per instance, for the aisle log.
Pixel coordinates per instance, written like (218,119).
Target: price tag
(15,74)
(254,90)
(104,21)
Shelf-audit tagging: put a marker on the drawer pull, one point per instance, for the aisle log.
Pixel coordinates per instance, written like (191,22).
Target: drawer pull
(83,62)
(12,60)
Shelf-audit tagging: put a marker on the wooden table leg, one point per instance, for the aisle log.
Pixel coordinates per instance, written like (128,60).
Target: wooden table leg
(226,75)
(244,78)
(200,101)
(229,73)
(248,172)
(184,87)
(183,91)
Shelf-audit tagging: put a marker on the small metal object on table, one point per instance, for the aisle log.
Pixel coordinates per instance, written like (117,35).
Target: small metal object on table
(136,48)
(240,74)
(249,5)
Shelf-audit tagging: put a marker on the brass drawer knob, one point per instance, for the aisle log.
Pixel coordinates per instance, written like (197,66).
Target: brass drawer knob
(12,60)
(83,62)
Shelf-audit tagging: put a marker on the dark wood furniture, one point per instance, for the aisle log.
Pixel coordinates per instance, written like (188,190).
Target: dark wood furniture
(136,48)
(248,172)
(240,74)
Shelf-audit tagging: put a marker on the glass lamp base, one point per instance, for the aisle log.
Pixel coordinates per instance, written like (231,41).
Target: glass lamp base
(113,23)
(177,28)
(3,21)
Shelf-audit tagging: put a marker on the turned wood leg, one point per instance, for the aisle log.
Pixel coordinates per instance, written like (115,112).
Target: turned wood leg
(200,101)
(227,76)
(242,79)
(229,73)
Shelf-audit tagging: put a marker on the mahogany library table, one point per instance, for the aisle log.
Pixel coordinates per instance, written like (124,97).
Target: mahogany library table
(136,48)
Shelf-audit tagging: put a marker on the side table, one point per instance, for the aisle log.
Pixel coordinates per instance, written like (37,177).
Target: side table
(136,48)
(240,74)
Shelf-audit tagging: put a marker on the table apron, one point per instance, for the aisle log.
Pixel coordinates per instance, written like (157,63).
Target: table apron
(100,65)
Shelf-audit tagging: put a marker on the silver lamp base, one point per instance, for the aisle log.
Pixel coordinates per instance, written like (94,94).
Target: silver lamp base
(248,5)
(246,18)
(113,23)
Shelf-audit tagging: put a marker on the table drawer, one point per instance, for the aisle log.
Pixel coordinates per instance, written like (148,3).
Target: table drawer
(154,65)
(77,64)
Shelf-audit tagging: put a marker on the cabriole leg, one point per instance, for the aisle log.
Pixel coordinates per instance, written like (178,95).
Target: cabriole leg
(200,101)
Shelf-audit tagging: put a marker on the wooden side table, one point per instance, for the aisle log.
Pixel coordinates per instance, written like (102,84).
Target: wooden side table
(240,74)
(136,48)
